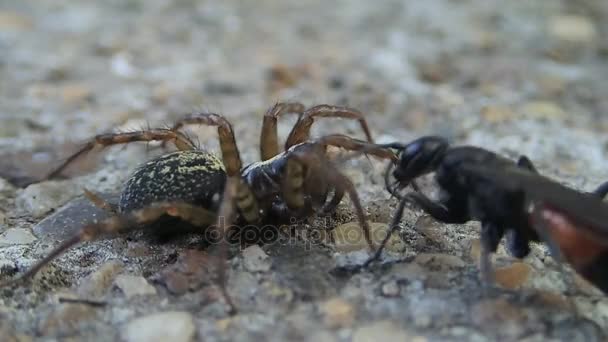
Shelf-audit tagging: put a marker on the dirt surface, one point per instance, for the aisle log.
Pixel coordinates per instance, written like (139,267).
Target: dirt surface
(515,77)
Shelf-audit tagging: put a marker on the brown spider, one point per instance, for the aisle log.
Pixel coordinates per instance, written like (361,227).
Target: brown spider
(195,186)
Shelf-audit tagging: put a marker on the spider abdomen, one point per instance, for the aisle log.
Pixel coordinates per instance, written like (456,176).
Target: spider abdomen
(194,176)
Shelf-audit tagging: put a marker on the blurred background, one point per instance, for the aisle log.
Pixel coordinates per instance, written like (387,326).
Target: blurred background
(455,67)
(516,77)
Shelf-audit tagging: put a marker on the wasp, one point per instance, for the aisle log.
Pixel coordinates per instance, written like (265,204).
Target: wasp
(510,199)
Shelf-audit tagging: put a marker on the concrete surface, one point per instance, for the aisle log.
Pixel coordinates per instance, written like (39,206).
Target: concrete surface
(514,77)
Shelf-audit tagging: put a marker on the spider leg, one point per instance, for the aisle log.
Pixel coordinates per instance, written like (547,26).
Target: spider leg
(518,242)
(336,199)
(344,184)
(269,141)
(301,130)
(307,168)
(118,224)
(310,158)
(105,140)
(294,187)
(100,202)
(245,200)
(230,151)
(348,143)
(293,184)
(225,218)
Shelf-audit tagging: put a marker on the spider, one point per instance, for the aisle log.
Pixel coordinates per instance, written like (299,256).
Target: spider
(197,187)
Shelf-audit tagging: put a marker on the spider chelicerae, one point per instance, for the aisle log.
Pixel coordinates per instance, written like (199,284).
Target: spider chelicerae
(195,186)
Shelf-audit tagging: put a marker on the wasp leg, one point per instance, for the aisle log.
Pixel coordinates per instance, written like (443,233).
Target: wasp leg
(392,228)
(491,234)
(518,243)
(453,211)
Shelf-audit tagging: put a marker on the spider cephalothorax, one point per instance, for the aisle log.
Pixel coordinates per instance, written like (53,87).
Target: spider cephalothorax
(199,188)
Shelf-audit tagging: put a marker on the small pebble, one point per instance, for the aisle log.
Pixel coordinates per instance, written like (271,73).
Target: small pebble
(255,259)
(552,85)
(132,285)
(192,270)
(16,236)
(496,114)
(14,21)
(490,312)
(381,331)
(39,199)
(66,319)
(161,93)
(76,93)
(572,28)
(337,313)
(438,260)
(433,71)
(554,299)
(321,336)
(571,36)
(223,324)
(542,110)
(512,276)
(410,271)
(121,65)
(160,327)
(391,289)
(97,283)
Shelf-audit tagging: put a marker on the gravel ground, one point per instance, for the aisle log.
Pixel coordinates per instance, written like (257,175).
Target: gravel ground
(515,77)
